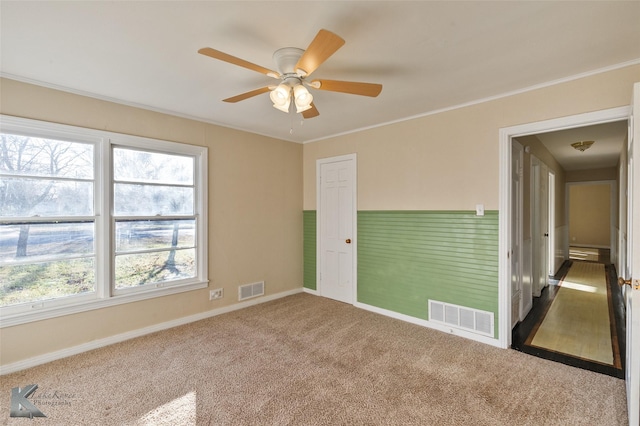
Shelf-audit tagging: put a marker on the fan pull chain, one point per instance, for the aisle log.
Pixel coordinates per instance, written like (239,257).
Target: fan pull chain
(291,116)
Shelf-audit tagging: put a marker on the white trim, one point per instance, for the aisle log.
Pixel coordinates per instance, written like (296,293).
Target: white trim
(354,229)
(487,99)
(590,246)
(426,114)
(504,240)
(551,241)
(132,104)
(310,291)
(505,135)
(74,350)
(570,122)
(429,324)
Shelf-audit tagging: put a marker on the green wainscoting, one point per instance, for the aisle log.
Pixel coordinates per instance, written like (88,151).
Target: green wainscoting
(309,249)
(408,257)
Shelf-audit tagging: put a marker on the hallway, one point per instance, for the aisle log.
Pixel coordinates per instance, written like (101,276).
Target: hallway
(583,328)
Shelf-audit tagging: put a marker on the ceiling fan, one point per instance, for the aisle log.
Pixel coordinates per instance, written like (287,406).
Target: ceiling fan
(294,67)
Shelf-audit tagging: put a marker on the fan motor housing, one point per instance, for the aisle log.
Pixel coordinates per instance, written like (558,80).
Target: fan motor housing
(286,59)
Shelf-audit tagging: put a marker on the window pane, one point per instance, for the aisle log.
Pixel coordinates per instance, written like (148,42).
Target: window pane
(30,197)
(49,280)
(143,166)
(38,241)
(151,200)
(148,268)
(144,235)
(31,156)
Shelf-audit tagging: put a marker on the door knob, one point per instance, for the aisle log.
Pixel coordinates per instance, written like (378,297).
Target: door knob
(636,284)
(348,241)
(622,281)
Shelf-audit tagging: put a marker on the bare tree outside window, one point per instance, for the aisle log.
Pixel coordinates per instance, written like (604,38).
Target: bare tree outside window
(90,218)
(46,196)
(156,234)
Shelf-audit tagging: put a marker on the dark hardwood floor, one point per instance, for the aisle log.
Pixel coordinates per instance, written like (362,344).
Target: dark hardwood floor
(540,305)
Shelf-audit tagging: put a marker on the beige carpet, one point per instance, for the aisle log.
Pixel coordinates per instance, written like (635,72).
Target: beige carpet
(577,322)
(305,360)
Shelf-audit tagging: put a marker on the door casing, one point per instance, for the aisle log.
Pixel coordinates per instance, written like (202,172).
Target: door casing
(504,237)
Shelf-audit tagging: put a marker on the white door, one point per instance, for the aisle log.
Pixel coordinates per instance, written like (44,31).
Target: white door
(622,218)
(539,225)
(520,301)
(552,225)
(534,214)
(544,226)
(336,227)
(632,293)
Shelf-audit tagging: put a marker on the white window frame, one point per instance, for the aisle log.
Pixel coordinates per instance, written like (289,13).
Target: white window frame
(105,294)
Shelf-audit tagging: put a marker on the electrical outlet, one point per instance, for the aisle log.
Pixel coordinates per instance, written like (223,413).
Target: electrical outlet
(215,294)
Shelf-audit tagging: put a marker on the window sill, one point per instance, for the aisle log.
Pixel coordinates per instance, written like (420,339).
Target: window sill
(45,312)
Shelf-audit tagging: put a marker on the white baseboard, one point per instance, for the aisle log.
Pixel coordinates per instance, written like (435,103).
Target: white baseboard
(574,245)
(429,324)
(308,290)
(74,350)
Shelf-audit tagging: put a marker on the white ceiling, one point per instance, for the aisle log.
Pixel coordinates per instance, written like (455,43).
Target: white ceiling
(604,153)
(428,55)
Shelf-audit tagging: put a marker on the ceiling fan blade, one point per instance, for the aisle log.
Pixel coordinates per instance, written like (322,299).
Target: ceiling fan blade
(216,54)
(323,45)
(310,113)
(354,88)
(247,95)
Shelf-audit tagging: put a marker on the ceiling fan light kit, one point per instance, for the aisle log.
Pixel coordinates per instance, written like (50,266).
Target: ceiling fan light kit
(294,66)
(582,146)
(280,96)
(302,98)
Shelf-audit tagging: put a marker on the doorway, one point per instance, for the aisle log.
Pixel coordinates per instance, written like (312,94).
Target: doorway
(557,327)
(560,249)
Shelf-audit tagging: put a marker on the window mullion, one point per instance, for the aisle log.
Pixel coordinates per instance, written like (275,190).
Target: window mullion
(46,220)
(155,218)
(45,178)
(200,208)
(103,220)
(152,183)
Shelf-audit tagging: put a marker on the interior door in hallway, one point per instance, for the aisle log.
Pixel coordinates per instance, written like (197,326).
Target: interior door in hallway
(521,297)
(632,269)
(540,224)
(336,227)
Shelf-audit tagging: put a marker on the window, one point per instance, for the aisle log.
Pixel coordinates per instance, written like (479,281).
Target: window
(90,219)
(155,238)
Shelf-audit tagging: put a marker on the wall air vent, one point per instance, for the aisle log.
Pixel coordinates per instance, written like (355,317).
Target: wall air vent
(248,291)
(473,320)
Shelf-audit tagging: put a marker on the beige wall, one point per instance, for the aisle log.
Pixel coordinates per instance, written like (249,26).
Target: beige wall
(449,161)
(255,216)
(610,173)
(590,215)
